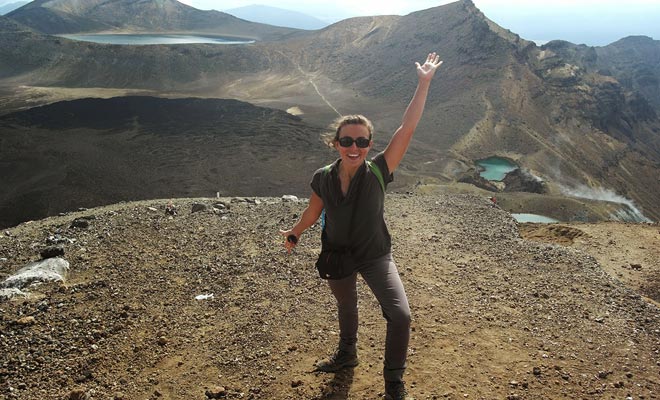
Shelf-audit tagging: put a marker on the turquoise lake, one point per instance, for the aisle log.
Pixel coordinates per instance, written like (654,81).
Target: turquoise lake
(495,168)
(145,39)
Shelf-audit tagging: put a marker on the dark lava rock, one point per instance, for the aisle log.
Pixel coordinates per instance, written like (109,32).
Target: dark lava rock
(196,207)
(523,181)
(52,251)
(472,177)
(81,223)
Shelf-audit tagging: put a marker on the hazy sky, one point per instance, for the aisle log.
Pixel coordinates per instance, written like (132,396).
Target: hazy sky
(593,22)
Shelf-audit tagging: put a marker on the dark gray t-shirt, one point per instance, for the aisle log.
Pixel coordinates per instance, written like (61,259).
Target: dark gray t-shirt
(369,238)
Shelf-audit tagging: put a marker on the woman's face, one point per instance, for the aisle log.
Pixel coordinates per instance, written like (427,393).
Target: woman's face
(353,156)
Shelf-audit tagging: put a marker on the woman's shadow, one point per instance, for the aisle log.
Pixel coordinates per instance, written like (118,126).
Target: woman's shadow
(339,386)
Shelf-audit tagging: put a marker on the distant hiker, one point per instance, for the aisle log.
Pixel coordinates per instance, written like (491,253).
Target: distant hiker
(170,209)
(351,195)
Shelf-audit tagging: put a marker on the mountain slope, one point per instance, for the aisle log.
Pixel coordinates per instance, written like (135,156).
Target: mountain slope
(635,62)
(496,94)
(23,50)
(70,16)
(98,151)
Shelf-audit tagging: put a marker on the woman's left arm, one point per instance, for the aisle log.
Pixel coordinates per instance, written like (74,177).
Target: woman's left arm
(401,139)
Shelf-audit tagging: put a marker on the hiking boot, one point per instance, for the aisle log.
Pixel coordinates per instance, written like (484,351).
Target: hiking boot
(340,360)
(396,391)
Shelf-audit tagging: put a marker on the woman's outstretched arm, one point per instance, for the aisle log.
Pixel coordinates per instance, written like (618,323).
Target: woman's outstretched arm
(307,219)
(401,139)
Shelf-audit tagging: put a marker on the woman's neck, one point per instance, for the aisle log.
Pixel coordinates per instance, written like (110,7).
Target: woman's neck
(347,172)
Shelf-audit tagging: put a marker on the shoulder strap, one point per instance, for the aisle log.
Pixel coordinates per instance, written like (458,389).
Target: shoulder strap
(376,171)
(326,170)
(372,166)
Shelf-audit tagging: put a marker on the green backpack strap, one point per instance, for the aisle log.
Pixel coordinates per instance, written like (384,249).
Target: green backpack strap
(376,171)
(326,170)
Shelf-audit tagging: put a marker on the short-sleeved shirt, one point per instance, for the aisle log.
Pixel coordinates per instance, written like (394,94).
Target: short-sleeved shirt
(369,238)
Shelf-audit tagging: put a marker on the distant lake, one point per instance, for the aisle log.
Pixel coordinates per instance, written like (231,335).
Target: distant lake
(533,218)
(495,168)
(143,39)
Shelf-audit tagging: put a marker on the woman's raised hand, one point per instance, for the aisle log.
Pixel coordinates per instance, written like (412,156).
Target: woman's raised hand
(426,71)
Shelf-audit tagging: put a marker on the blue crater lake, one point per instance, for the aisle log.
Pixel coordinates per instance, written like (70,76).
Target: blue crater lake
(144,39)
(495,168)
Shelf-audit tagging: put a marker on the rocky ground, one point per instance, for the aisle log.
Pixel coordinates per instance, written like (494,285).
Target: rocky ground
(495,316)
(627,251)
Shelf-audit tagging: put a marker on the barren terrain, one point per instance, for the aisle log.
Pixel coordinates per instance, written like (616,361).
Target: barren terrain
(628,252)
(494,315)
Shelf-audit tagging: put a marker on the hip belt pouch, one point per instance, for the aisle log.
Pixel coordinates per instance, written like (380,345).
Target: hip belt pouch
(335,264)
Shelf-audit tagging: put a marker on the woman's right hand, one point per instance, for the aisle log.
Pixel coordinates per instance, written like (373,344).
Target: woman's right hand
(290,241)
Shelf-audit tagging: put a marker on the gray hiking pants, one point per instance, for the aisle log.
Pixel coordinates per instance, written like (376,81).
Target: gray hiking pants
(383,278)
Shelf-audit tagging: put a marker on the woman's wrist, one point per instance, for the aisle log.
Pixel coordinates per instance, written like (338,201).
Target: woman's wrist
(424,81)
(296,232)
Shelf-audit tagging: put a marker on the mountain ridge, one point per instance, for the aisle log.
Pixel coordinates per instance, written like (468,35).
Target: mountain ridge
(67,16)
(496,95)
(632,60)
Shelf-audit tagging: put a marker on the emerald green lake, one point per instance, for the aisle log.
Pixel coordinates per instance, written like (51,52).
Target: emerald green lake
(495,168)
(145,39)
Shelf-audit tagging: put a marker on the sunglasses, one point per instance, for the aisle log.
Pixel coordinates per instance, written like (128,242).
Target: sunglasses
(347,141)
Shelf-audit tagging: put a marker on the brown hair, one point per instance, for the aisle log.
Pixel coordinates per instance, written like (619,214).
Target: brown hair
(355,119)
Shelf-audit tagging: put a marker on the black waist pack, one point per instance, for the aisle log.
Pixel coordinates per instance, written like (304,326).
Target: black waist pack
(335,264)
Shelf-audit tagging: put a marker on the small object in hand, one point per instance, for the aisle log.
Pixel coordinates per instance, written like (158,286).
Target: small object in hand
(292,238)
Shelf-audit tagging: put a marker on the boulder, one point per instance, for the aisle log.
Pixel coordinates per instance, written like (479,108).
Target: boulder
(48,270)
(289,198)
(472,177)
(222,205)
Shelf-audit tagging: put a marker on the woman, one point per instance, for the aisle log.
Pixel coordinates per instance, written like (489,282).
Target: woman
(353,198)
